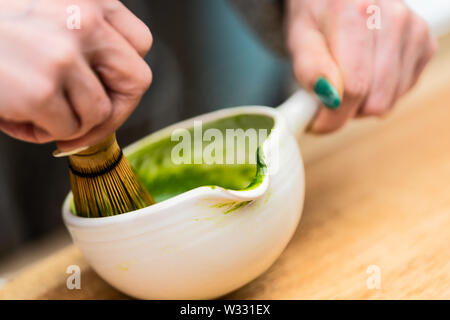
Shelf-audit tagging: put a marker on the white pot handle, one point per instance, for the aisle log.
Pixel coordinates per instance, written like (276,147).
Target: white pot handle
(299,110)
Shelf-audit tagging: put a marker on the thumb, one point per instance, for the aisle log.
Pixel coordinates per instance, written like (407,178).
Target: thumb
(314,67)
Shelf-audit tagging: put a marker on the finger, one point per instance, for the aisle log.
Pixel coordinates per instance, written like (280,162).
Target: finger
(314,67)
(418,53)
(119,66)
(126,76)
(24,131)
(422,63)
(43,114)
(123,107)
(55,117)
(351,44)
(129,26)
(387,67)
(87,97)
(18,111)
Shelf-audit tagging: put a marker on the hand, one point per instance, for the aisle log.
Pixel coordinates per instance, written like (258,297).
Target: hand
(355,71)
(74,86)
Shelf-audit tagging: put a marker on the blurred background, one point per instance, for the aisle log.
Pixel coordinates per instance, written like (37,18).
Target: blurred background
(204,57)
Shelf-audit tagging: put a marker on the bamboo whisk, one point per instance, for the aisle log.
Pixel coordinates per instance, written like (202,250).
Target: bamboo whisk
(103,182)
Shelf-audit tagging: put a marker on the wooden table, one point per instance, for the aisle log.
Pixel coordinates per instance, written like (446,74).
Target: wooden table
(378,196)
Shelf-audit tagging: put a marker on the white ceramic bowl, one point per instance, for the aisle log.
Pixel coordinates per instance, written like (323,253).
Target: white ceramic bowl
(187,247)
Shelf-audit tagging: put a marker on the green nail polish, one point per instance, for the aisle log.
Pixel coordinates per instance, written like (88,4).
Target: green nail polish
(327,93)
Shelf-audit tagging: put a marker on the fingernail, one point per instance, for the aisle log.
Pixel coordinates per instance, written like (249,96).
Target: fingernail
(327,93)
(60,154)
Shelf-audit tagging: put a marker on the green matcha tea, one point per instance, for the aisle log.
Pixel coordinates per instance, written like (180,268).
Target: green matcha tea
(154,164)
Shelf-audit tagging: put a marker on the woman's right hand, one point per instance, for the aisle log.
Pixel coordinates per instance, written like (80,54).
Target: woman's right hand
(73,86)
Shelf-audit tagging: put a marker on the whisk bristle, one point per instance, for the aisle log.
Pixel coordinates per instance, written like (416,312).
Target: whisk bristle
(104,183)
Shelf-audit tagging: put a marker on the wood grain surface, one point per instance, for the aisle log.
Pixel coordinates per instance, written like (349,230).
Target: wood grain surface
(378,194)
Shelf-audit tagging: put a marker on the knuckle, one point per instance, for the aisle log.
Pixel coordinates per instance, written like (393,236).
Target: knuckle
(143,79)
(42,93)
(17,111)
(104,110)
(64,54)
(421,30)
(434,47)
(356,89)
(66,129)
(40,139)
(362,6)
(72,129)
(376,106)
(149,37)
(101,113)
(147,40)
(422,39)
(328,127)
(302,70)
(90,15)
(399,13)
